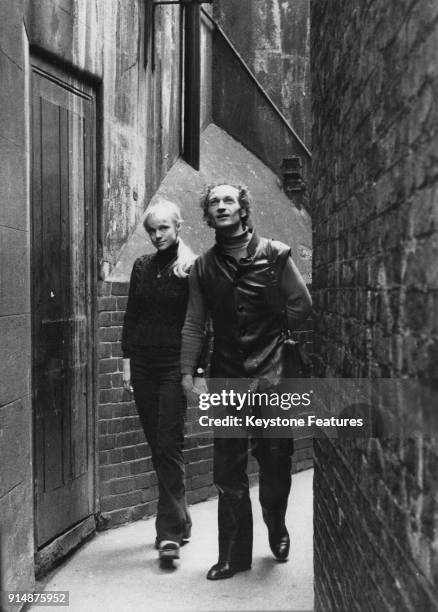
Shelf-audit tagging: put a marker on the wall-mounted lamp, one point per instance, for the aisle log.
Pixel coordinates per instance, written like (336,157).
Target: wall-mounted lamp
(293,182)
(292,170)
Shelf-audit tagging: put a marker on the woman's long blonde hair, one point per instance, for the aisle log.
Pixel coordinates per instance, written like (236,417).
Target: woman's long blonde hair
(186,256)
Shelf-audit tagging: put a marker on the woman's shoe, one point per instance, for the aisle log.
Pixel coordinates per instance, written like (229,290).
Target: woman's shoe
(168,550)
(184,540)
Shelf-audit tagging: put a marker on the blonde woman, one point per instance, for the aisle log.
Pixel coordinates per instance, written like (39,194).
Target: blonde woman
(151,344)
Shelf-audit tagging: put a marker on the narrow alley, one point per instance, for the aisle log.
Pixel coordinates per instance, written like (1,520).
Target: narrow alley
(218,190)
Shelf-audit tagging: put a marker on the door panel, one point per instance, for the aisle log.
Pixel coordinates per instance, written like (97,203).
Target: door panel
(62,212)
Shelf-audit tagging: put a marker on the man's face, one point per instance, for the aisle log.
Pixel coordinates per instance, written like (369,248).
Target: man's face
(224,210)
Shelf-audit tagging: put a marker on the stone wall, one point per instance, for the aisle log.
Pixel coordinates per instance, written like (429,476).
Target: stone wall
(375,288)
(16,484)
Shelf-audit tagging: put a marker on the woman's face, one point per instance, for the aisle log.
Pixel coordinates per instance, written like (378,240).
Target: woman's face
(163,231)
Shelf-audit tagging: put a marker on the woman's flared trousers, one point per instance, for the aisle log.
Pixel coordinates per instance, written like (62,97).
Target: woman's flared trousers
(161,405)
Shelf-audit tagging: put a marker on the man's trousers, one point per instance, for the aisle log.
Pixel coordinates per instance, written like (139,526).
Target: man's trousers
(231,479)
(161,406)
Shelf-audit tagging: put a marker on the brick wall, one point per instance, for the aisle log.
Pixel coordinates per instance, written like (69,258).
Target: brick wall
(303,446)
(127,486)
(375,287)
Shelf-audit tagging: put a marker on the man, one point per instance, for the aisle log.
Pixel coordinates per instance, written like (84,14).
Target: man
(249,286)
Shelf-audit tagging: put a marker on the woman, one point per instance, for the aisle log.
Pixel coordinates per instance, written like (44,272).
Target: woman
(151,345)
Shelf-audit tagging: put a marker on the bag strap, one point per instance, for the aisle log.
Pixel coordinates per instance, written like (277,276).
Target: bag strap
(281,303)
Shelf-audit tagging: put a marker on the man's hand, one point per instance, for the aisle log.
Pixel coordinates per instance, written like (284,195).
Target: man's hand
(127,375)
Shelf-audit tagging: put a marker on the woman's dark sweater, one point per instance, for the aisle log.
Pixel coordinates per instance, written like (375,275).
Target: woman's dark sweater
(157,304)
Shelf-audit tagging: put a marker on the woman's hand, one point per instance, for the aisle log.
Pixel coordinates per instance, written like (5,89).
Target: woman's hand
(193,387)
(187,385)
(127,375)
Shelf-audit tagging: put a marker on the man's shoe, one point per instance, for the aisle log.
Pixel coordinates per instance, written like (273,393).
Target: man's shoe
(168,550)
(280,546)
(223,570)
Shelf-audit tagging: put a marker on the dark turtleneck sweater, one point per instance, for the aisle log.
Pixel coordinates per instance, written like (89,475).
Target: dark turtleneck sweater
(234,246)
(157,303)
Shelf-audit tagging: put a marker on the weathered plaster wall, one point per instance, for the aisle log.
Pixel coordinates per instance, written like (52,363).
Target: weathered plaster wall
(375,288)
(273,36)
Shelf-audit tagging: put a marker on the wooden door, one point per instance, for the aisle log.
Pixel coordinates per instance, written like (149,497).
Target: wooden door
(63,151)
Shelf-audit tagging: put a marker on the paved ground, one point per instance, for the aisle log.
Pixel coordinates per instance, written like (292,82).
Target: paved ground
(118,570)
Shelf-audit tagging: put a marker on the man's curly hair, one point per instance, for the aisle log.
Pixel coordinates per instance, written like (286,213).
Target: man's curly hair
(244,199)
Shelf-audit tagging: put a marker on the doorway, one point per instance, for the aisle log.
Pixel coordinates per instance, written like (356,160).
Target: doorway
(63,208)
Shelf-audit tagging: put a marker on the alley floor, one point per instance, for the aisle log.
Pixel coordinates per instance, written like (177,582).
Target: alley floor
(118,570)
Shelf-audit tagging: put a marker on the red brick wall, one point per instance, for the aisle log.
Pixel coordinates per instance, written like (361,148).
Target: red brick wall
(375,287)
(127,483)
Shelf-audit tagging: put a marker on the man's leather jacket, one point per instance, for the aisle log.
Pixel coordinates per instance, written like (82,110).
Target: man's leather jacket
(247,308)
